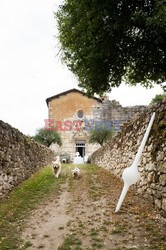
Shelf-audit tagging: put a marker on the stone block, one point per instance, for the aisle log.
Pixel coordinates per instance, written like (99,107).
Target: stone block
(151,177)
(150,166)
(158,203)
(6,186)
(160,156)
(162,179)
(164,204)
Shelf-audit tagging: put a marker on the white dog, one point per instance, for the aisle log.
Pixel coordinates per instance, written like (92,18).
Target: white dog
(57,166)
(76,172)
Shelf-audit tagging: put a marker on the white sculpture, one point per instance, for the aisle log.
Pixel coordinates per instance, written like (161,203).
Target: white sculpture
(131,175)
(77,154)
(78,159)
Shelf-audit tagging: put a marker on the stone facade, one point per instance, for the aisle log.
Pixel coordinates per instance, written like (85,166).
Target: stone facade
(20,157)
(65,106)
(120,152)
(112,111)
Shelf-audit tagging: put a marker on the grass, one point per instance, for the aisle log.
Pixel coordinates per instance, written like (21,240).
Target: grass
(43,187)
(94,232)
(27,244)
(119,229)
(71,241)
(106,222)
(104,229)
(98,245)
(20,202)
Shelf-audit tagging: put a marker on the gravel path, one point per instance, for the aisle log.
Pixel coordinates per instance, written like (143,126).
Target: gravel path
(82,216)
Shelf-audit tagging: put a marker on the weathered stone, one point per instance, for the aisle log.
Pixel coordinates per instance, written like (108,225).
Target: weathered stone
(1,178)
(163,179)
(160,156)
(164,192)
(141,169)
(158,194)
(149,148)
(149,190)
(151,166)
(5,177)
(6,186)
(164,204)
(162,168)
(11,179)
(144,160)
(153,185)
(151,177)
(158,203)
(17,162)
(139,190)
(153,163)
(2,154)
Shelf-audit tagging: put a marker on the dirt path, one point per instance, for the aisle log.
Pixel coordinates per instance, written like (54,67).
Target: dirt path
(82,217)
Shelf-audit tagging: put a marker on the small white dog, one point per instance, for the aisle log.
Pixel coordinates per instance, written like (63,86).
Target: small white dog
(76,172)
(57,166)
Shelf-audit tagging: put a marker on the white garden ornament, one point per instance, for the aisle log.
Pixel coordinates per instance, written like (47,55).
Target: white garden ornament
(131,175)
(78,159)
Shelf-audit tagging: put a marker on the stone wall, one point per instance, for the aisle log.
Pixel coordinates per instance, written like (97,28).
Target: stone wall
(20,157)
(120,152)
(113,111)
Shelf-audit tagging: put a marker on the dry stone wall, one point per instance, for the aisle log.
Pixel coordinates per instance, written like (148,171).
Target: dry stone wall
(120,152)
(20,157)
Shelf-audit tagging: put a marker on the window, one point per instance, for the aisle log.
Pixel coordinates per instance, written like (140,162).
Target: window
(80,114)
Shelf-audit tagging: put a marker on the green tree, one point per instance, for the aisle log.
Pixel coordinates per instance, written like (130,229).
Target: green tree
(47,137)
(105,42)
(101,135)
(159,98)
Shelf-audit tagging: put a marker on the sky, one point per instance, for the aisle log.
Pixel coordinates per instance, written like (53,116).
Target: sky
(31,69)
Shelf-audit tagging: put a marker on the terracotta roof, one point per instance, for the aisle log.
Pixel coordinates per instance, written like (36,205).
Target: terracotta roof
(67,92)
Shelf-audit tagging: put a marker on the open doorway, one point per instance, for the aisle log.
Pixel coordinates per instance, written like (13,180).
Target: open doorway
(80,147)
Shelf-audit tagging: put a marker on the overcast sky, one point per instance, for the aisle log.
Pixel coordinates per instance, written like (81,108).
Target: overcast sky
(30,71)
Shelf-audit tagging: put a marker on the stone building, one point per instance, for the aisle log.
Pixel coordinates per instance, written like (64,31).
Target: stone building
(69,112)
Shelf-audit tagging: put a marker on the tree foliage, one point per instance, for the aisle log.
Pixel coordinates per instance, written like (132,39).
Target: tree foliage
(100,136)
(47,137)
(105,42)
(159,98)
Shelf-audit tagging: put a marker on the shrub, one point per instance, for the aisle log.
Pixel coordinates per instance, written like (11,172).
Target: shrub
(47,137)
(159,98)
(101,136)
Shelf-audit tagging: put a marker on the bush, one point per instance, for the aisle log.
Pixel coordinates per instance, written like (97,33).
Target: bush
(101,136)
(159,98)
(47,137)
